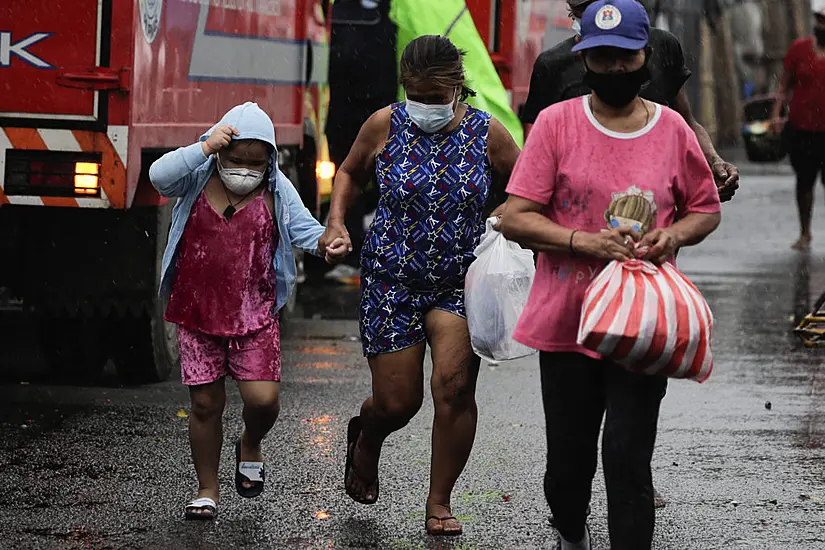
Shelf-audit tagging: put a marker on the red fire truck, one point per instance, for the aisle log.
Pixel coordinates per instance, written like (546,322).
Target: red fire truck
(91,93)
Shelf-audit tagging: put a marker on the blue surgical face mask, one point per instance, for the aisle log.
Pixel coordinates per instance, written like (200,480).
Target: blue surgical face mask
(577,26)
(431,118)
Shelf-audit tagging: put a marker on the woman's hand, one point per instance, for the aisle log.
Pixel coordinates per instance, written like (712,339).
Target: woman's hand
(661,245)
(218,139)
(726,176)
(498,213)
(615,244)
(335,243)
(337,250)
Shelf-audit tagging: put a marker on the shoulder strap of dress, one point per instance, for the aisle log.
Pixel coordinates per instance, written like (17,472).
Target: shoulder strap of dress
(398,118)
(477,119)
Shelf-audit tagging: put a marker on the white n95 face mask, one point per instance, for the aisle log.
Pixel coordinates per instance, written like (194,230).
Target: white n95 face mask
(240,181)
(431,118)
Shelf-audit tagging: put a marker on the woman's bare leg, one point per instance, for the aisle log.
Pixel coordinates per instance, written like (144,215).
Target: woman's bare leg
(455,372)
(397,393)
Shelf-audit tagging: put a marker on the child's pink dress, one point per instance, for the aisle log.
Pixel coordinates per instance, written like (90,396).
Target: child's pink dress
(224,295)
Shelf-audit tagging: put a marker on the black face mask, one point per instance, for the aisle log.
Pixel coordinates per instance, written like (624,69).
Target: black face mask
(617,89)
(819,33)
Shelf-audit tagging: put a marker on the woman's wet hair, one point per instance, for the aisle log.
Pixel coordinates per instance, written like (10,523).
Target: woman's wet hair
(435,59)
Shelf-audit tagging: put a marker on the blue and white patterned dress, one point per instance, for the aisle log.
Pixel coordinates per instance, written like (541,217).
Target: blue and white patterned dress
(429,219)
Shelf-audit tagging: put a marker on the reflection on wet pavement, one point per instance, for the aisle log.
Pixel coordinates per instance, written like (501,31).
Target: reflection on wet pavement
(319,350)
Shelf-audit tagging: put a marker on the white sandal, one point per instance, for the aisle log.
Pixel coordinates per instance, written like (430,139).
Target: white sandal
(201,508)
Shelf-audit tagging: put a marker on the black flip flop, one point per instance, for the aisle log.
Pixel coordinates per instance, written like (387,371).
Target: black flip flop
(443,533)
(353,432)
(256,475)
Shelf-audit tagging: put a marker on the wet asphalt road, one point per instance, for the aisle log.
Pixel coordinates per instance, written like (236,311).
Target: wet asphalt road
(109,467)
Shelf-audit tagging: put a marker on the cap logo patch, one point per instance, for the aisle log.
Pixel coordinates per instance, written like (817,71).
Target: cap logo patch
(608,17)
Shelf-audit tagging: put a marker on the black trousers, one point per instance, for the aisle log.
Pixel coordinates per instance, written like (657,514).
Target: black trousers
(578,392)
(807,153)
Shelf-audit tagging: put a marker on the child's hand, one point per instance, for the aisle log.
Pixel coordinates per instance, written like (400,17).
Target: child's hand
(335,243)
(218,139)
(338,250)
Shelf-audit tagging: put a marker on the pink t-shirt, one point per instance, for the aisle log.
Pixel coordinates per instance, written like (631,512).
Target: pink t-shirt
(590,179)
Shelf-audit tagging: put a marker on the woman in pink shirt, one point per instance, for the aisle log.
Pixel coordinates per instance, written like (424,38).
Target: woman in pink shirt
(597,175)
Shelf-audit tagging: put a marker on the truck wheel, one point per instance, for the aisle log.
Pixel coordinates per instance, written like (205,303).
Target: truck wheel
(145,346)
(73,348)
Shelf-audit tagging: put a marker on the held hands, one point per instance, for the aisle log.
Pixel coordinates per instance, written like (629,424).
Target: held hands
(335,243)
(218,139)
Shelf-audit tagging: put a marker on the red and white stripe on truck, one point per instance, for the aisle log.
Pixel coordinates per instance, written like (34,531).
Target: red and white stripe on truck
(97,181)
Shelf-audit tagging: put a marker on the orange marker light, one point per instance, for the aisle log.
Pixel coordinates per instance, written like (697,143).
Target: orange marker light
(86,178)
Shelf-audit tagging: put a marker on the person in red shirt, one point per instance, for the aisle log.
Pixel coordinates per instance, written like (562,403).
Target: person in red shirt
(804,78)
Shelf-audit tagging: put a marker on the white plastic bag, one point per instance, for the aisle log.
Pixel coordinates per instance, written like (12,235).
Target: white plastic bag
(496,289)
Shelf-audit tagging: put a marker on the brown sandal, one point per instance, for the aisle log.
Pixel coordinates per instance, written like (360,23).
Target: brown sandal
(353,433)
(441,521)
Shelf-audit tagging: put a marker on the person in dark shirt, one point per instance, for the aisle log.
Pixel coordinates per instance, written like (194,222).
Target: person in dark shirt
(362,80)
(558,75)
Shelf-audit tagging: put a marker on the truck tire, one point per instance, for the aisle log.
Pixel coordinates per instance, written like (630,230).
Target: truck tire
(145,346)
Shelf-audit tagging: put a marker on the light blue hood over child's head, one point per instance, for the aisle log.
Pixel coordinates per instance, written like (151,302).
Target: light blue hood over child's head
(251,122)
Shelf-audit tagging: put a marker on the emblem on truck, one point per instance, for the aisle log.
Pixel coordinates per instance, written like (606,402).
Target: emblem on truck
(20,49)
(150,11)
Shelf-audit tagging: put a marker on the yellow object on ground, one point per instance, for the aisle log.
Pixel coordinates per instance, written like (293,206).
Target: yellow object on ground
(415,18)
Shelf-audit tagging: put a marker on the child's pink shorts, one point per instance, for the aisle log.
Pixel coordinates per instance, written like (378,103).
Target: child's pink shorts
(205,359)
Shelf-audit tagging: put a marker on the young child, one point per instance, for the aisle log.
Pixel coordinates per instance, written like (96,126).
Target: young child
(227,271)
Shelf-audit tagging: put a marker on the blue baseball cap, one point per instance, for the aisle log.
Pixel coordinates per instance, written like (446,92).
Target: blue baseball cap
(618,23)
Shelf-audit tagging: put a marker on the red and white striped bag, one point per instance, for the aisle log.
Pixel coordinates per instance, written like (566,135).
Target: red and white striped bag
(648,319)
